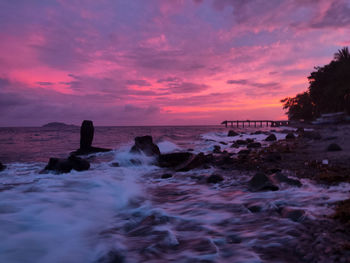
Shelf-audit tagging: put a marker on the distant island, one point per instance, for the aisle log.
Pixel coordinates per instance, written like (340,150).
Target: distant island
(58,125)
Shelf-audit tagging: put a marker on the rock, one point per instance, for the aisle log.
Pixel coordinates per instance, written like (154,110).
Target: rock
(254,145)
(112,257)
(233,239)
(165,176)
(278,178)
(115,164)
(260,182)
(333,147)
(217,149)
(249,140)
(214,179)
(300,130)
(290,136)
(271,138)
(144,144)
(223,143)
(86,134)
(182,161)
(232,133)
(245,151)
(292,214)
(254,208)
(257,132)
(86,138)
(241,142)
(272,157)
(66,165)
(342,211)
(2,167)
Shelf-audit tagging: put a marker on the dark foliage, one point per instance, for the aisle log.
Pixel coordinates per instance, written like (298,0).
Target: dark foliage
(329,90)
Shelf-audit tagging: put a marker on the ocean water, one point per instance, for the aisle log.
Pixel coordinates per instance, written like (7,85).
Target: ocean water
(128,213)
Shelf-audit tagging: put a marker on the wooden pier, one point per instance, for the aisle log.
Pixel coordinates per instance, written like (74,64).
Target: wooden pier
(258,123)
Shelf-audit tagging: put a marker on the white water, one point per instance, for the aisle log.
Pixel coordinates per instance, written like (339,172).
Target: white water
(81,216)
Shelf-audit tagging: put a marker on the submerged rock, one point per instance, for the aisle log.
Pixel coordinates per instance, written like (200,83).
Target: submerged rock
(66,165)
(241,142)
(217,149)
(232,133)
(292,214)
(144,144)
(261,182)
(278,178)
(271,138)
(2,167)
(112,257)
(333,147)
(166,176)
(86,138)
(214,179)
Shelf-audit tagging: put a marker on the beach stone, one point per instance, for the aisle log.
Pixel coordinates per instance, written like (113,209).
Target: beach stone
(166,176)
(66,165)
(144,144)
(290,136)
(333,147)
(278,178)
(271,138)
(232,133)
(172,160)
(254,145)
(2,167)
(292,214)
(214,179)
(261,182)
(86,134)
(217,149)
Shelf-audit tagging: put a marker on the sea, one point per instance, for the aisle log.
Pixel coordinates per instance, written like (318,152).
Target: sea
(128,213)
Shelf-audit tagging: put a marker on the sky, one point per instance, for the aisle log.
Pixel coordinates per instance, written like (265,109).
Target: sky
(161,62)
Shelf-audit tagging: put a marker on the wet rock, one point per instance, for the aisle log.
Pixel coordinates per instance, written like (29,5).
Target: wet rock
(86,138)
(292,214)
(271,138)
(214,179)
(272,157)
(166,176)
(217,149)
(278,178)
(290,136)
(342,212)
(115,164)
(144,144)
(183,161)
(2,167)
(300,130)
(232,133)
(241,142)
(249,140)
(66,165)
(135,162)
(257,132)
(260,182)
(235,145)
(223,143)
(254,145)
(112,257)
(333,147)
(245,151)
(233,239)
(254,208)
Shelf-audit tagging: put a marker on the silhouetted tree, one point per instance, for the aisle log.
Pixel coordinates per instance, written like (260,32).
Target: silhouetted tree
(329,90)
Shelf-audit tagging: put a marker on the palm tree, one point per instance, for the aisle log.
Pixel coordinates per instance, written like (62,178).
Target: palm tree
(342,54)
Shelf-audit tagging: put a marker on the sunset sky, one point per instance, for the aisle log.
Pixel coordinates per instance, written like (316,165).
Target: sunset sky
(161,62)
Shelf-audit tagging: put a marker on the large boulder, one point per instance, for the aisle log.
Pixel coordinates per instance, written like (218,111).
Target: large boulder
(232,133)
(66,165)
(2,167)
(261,182)
(86,138)
(271,138)
(144,144)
